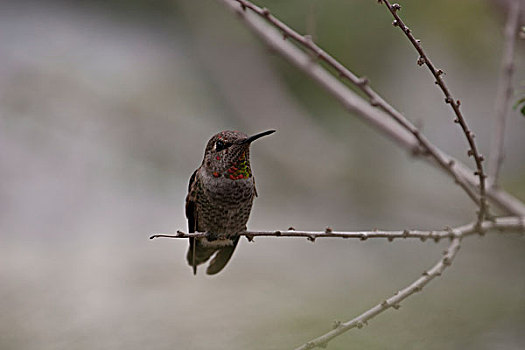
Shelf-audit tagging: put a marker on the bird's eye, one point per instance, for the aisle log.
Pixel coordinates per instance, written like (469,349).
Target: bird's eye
(219,145)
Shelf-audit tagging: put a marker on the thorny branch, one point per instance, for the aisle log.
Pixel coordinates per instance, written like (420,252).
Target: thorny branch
(454,104)
(502,224)
(394,301)
(504,91)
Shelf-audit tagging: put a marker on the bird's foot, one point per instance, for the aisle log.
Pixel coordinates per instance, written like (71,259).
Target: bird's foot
(210,236)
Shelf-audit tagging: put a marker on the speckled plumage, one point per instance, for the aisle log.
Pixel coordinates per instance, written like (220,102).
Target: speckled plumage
(220,197)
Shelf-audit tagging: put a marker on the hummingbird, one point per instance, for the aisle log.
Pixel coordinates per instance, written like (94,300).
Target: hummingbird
(220,198)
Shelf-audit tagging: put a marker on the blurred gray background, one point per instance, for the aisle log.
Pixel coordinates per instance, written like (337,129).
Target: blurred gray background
(105,109)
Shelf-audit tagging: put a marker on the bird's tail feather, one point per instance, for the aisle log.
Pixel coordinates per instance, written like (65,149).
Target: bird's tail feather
(199,254)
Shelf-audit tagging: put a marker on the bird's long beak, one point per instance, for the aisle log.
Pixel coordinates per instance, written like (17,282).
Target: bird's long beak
(256,136)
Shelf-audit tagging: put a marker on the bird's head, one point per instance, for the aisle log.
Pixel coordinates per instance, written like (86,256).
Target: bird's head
(227,154)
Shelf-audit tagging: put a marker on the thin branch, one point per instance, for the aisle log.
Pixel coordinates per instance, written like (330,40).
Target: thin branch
(504,91)
(502,224)
(355,104)
(313,235)
(454,104)
(392,302)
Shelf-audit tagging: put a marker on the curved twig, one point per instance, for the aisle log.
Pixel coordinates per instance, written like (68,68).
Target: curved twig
(454,104)
(392,302)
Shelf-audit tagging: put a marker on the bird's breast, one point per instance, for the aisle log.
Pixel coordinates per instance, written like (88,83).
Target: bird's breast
(228,191)
(224,205)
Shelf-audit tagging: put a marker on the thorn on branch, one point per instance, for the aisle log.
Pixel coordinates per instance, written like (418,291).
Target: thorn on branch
(396,7)
(363,81)
(449,100)
(249,238)
(265,12)
(328,230)
(291,228)
(311,238)
(421,61)
(451,234)
(336,324)
(470,153)
(439,72)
